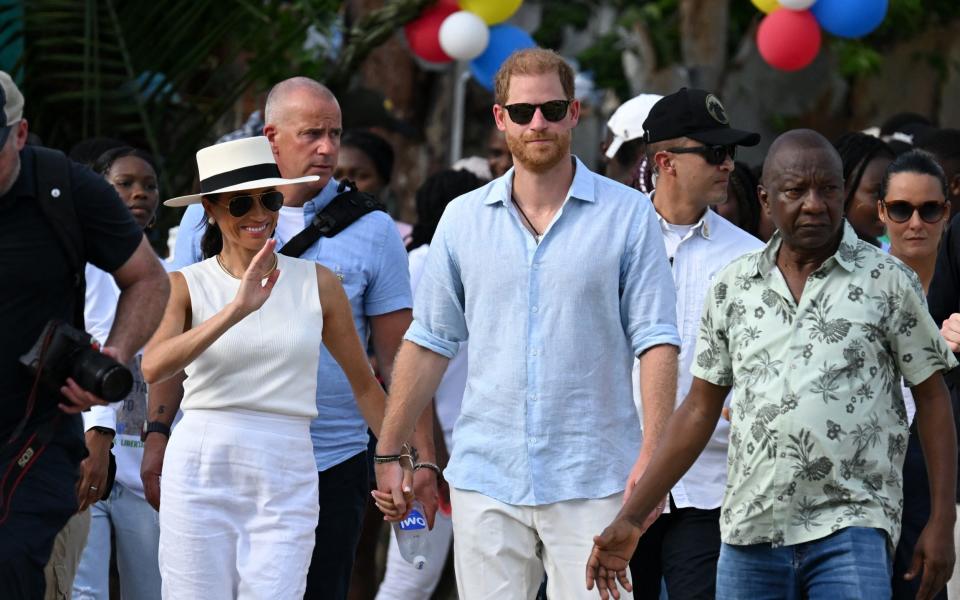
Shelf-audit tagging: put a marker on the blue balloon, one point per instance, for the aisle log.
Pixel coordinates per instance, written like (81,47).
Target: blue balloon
(849,18)
(504,41)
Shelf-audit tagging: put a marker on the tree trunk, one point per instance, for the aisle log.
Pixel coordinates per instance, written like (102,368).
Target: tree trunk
(703,40)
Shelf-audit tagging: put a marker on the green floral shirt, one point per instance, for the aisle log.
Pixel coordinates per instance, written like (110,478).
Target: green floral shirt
(818,428)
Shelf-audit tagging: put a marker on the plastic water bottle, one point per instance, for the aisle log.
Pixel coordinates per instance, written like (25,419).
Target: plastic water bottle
(411,535)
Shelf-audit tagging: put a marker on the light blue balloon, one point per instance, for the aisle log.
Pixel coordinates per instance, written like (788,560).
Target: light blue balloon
(504,41)
(849,18)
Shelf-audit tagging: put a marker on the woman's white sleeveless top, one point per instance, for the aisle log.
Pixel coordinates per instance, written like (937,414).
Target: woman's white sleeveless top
(268,361)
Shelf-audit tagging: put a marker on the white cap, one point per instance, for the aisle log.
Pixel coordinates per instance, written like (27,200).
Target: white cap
(626,122)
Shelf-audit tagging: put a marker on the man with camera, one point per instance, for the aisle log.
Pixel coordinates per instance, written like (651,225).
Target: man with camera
(55,216)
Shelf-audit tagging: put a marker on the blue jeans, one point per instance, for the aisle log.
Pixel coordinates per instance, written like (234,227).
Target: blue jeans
(137,529)
(851,564)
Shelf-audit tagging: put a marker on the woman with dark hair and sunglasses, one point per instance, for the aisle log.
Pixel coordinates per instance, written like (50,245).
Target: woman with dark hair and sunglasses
(238,501)
(914,209)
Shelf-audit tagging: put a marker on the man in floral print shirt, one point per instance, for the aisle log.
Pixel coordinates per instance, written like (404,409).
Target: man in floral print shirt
(813,333)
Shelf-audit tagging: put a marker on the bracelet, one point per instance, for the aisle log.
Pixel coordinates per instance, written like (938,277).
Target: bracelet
(429,465)
(406,451)
(388,458)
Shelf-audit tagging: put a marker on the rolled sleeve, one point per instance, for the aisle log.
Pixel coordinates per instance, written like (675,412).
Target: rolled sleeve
(648,302)
(439,322)
(100,416)
(421,336)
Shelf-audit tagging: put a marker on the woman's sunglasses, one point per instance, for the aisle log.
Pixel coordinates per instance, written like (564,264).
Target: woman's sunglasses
(714,155)
(901,211)
(553,111)
(241,205)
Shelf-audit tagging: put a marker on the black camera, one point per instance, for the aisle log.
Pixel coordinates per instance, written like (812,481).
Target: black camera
(64,351)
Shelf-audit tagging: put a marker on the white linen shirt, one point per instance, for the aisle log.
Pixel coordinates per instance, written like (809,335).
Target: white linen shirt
(706,248)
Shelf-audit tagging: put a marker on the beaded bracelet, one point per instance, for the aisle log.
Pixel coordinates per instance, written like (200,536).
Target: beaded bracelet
(429,465)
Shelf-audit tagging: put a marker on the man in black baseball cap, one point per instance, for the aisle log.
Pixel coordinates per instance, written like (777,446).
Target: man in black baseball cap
(690,146)
(695,114)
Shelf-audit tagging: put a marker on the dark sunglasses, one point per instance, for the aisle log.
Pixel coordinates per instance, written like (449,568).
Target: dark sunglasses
(241,205)
(553,111)
(714,155)
(902,211)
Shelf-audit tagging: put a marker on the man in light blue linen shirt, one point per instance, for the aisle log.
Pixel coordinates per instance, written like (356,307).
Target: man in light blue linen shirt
(558,277)
(303,124)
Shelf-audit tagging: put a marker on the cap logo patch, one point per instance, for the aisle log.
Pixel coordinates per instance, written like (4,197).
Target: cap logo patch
(716,110)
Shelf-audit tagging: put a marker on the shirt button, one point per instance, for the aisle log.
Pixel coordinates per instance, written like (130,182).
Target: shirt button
(533,440)
(535,309)
(534,352)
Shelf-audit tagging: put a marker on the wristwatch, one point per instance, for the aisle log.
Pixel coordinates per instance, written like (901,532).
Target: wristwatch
(154,427)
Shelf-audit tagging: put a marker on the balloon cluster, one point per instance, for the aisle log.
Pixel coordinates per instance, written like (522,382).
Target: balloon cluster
(470,30)
(789,36)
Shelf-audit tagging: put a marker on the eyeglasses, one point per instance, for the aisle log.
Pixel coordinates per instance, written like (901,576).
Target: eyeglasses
(901,211)
(553,111)
(714,155)
(240,205)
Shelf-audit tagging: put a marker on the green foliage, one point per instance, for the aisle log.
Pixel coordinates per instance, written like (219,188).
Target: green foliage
(572,13)
(603,59)
(662,21)
(155,74)
(161,75)
(856,58)
(906,19)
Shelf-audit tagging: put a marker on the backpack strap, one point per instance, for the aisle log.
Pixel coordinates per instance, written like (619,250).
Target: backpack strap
(343,211)
(56,201)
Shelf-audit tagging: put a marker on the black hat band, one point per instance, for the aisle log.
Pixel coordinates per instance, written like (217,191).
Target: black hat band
(238,176)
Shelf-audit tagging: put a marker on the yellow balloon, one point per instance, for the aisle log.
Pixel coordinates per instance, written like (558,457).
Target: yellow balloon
(491,11)
(767,6)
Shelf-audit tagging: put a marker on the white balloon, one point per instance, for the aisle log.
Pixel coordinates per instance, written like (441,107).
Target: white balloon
(797,4)
(464,35)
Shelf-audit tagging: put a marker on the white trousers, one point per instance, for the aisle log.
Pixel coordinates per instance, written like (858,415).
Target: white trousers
(402,580)
(238,506)
(501,551)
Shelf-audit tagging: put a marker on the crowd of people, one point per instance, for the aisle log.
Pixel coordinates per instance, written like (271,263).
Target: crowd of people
(688,377)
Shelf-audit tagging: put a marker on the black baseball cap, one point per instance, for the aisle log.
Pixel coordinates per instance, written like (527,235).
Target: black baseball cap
(696,114)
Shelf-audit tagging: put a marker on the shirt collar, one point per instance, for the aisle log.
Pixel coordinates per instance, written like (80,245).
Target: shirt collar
(328,193)
(845,256)
(706,223)
(583,186)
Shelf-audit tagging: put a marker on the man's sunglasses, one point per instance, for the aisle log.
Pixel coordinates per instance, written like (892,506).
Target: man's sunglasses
(241,205)
(714,155)
(553,111)
(901,211)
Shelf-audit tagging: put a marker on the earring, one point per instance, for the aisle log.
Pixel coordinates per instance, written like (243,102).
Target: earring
(153,221)
(210,221)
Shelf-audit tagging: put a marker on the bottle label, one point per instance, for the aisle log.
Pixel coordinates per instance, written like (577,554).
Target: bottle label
(413,521)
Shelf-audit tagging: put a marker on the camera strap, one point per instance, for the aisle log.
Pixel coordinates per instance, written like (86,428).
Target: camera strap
(56,201)
(343,211)
(21,462)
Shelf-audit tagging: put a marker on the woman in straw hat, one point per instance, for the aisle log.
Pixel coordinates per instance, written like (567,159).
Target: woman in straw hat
(238,503)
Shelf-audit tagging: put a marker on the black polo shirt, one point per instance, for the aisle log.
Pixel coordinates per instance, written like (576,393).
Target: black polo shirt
(35,278)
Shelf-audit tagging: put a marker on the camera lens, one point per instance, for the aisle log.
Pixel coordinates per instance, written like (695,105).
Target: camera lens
(102,376)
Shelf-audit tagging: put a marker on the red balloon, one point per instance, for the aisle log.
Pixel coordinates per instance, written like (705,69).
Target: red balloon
(423,33)
(789,40)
